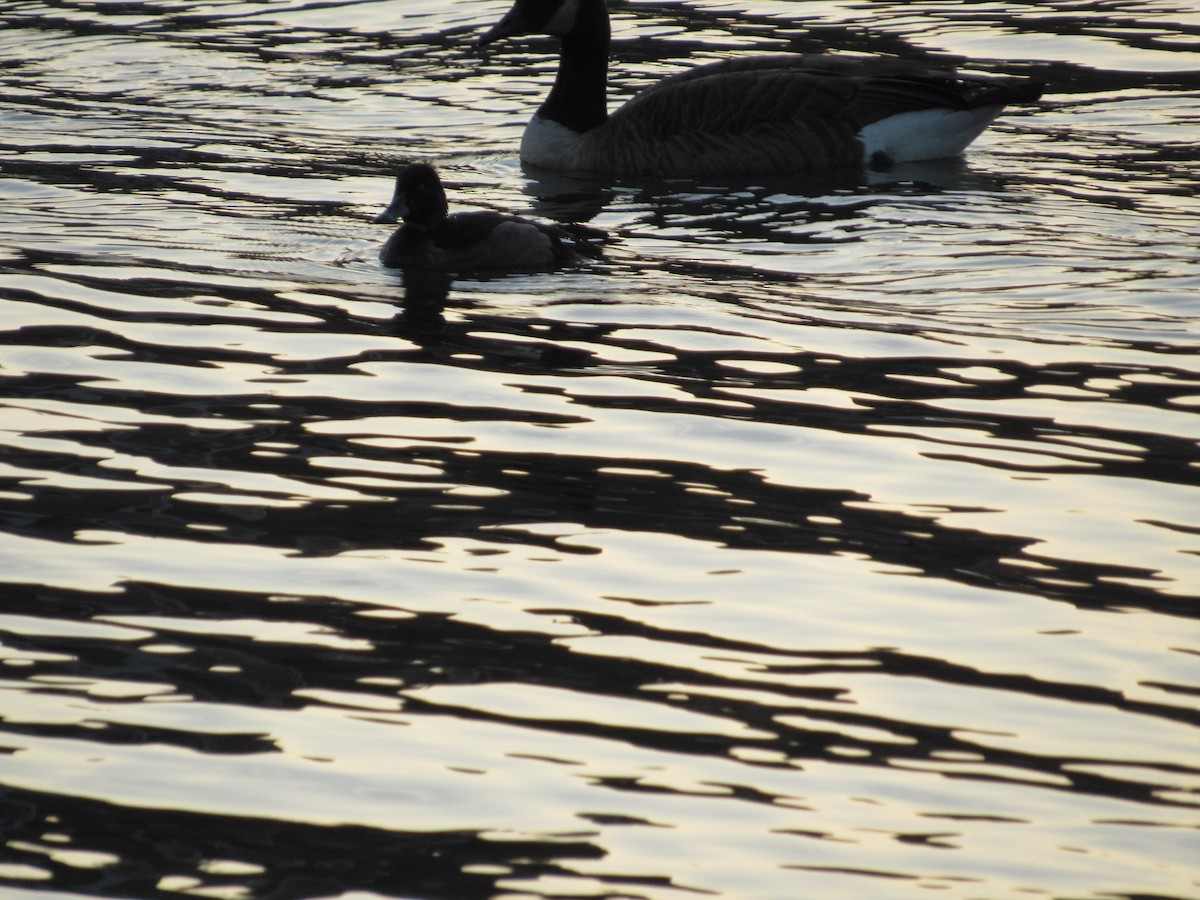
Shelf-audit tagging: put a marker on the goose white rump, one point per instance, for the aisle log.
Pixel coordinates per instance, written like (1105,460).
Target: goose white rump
(925,134)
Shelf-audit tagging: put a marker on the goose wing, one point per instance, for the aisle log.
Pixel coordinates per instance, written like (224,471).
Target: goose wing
(820,86)
(776,112)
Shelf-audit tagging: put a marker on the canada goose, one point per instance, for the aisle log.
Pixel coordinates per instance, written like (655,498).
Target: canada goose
(430,238)
(772,114)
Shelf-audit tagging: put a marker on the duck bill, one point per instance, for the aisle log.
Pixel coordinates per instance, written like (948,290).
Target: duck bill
(393,214)
(512,24)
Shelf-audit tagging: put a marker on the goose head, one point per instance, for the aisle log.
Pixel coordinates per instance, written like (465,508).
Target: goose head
(419,199)
(557,18)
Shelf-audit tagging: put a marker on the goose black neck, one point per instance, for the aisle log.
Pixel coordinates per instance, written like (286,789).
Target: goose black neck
(578,99)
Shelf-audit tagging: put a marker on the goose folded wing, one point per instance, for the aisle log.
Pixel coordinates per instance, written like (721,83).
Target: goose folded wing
(739,95)
(730,98)
(738,117)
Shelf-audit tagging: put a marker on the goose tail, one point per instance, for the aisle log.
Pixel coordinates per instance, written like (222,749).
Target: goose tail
(995,91)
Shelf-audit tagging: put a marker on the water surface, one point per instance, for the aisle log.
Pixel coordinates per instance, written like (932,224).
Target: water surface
(831,536)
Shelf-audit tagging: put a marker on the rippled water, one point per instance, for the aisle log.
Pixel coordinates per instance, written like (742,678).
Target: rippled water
(830,537)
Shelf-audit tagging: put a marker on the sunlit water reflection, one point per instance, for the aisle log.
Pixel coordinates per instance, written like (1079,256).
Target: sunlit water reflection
(829,536)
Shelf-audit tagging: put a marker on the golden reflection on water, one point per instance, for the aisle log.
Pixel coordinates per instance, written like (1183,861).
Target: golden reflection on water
(826,535)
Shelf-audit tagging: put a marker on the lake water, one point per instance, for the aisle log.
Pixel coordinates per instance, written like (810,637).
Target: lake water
(829,537)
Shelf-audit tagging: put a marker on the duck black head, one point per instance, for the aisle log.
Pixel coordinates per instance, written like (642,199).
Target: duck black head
(419,199)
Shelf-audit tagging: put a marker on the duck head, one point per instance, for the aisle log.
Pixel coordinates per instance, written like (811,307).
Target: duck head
(418,199)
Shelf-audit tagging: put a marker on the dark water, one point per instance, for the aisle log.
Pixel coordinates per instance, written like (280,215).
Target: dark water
(830,537)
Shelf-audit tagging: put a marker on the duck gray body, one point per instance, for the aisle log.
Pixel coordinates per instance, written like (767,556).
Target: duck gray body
(431,238)
(773,114)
